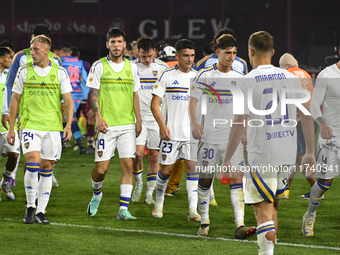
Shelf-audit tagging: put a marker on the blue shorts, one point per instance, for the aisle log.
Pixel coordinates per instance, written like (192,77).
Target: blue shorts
(301,145)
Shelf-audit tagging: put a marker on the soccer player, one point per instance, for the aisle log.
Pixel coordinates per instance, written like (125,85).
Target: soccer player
(238,64)
(172,89)
(149,69)
(8,45)
(114,82)
(326,93)
(288,62)
(214,138)
(12,152)
(271,138)
(78,77)
(37,89)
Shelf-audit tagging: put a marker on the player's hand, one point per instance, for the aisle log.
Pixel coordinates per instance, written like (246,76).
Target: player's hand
(11,137)
(308,165)
(326,132)
(5,120)
(67,133)
(138,128)
(165,133)
(90,114)
(225,167)
(102,125)
(197,131)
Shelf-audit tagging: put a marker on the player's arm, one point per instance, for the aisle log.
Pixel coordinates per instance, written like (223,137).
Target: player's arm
(136,108)
(14,108)
(68,110)
(156,111)
(196,128)
(318,96)
(101,123)
(308,159)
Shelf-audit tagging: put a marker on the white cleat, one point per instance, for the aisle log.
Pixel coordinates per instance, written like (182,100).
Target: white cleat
(157,213)
(149,200)
(55,182)
(7,189)
(193,216)
(307,225)
(204,228)
(137,193)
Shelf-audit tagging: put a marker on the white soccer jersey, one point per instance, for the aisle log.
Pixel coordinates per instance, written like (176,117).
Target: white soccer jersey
(217,118)
(173,86)
(327,93)
(148,78)
(271,142)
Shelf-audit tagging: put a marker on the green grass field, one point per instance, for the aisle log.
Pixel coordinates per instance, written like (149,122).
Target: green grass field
(72,231)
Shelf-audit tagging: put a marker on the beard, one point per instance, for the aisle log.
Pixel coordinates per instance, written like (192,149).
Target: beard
(116,55)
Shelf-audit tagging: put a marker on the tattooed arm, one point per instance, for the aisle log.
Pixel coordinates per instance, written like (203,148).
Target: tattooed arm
(101,123)
(68,109)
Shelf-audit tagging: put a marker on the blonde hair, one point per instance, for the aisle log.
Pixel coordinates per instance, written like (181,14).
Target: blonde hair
(261,41)
(42,39)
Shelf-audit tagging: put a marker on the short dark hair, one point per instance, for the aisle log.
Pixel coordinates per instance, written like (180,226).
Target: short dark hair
(75,51)
(184,44)
(115,32)
(261,41)
(145,43)
(4,51)
(6,43)
(66,47)
(207,49)
(225,42)
(41,29)
(222,31)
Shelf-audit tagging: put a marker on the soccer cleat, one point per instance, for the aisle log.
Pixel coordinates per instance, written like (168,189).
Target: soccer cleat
(82,149)
(169,194)
(40,218)
(244,232)
(213,202)
(7,189)
(90,150)
(29,215)
(149,200)
(137,193)
(307,196)
(125,215)
(55,182)
(157,213)
(204,228)
(285,194)
(67,145)
(11,182)
(92,208)
(307,225)
(193,216)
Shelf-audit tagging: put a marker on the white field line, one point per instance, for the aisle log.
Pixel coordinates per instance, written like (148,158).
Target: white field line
(183,235)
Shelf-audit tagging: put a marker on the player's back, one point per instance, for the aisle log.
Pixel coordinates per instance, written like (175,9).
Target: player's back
(271,137)
(74,68)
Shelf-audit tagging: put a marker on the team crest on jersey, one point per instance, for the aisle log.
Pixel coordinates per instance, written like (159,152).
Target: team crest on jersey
(233,83)
(155,87)
(205,163)
(193,87)
(155,72)
(91,79)
(27,145)
(163,157)
(52,77)
(128,73)
(100,153)
(15,83)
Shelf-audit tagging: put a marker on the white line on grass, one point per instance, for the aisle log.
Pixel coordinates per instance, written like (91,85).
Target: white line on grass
(185,235)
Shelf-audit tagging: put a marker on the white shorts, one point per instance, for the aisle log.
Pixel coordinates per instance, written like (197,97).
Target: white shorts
(265,186)
(149,135)
(213,155)
(48,143)
(6,147)
(123,140)
(327,164)
(170,151)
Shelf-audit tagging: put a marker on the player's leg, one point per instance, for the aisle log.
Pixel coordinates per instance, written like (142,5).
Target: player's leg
(152,174)
(77,135)
(104,151)
(191,185)
(126,145)
(14,173)
(90,134)
(138,172)
(175,178)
